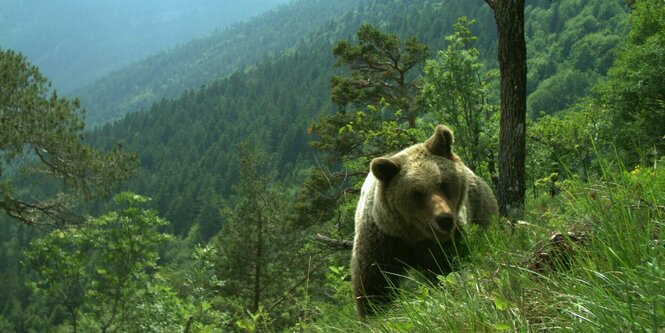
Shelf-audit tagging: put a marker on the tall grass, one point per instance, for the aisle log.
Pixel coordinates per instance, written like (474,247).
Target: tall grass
(607,275)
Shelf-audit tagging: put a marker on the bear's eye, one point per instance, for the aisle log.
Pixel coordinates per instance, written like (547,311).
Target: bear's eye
(445,189)
(418,195)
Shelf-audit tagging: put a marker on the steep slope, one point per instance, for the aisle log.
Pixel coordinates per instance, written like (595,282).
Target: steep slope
(205,60)
(187,146)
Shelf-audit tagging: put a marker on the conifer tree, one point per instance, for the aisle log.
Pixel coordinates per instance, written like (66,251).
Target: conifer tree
(258,257)
(41,134)
(379,69)
(380,77)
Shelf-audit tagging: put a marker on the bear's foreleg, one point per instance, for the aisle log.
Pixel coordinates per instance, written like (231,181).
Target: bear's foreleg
(377,267)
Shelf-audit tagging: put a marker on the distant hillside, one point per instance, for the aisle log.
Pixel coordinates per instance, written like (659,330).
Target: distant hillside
(187,145)
(75,42)
(204,60)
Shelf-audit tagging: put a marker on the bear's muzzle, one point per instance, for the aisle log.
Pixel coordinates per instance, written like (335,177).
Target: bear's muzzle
(445,222)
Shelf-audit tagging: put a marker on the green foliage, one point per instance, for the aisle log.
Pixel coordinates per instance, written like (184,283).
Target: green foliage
(624,115)
(623,260)
(457,88)
(5,325)
(257,252)
(634,94)
(559,92)
(380,68)
(104,273)
(189,153)
(371,133)
(202,291)
(563,145)
(569,44)
(41,135)
(334,309)
(380,76)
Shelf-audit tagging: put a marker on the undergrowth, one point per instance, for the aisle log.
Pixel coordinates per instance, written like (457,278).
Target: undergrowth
(591,259)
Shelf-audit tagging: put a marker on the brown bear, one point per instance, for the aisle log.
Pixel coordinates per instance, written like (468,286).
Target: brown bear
(409,215)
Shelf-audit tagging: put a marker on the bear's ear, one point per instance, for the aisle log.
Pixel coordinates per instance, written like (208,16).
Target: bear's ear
(441,143)
(384,168)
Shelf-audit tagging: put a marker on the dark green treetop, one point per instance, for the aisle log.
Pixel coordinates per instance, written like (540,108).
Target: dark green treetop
(379,66)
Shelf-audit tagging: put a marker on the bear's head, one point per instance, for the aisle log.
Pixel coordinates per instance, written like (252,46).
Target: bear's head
(422,189)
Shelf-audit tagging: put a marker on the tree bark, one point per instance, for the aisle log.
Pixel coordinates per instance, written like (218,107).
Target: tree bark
(256,300)
(509,17)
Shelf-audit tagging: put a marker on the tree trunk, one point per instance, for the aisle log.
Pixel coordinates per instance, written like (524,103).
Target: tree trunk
(509,17)
(256,301)
(73,313)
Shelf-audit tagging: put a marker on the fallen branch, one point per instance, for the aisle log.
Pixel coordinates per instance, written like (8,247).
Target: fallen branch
(340,244)
(557,253)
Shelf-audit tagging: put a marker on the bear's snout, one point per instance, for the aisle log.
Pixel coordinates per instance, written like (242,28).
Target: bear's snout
(445,221)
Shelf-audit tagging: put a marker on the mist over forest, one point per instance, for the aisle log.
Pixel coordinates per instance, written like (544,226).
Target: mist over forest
(75,42)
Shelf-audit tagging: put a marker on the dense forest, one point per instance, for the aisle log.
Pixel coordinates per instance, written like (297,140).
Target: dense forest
(205,60)
(217,191)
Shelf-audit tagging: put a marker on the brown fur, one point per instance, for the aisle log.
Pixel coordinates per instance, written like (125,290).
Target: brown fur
(410,211)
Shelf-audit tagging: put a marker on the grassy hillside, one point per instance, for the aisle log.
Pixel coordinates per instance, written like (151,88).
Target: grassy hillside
(590,261)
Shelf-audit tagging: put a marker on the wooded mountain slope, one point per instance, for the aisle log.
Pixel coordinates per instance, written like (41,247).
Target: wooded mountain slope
(186,144)
(204,60)
(243,257)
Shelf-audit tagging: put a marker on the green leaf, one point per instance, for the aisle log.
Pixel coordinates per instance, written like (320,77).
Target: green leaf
(502,327)
(499,301)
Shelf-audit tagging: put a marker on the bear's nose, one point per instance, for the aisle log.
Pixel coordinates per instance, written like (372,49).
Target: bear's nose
(445,221)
